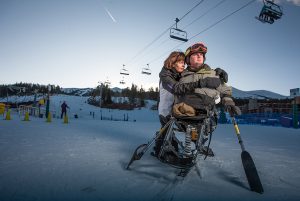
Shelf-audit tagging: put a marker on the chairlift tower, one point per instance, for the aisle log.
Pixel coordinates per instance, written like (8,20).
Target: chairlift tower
(48,101)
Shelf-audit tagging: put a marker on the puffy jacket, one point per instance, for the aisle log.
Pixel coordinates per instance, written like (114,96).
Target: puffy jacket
(168,86)
(64,107)
(202,98)
(168,78)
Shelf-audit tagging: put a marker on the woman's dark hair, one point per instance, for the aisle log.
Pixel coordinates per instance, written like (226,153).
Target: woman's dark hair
(173,58)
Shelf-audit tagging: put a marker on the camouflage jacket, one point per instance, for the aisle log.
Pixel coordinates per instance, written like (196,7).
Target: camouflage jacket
(203,98)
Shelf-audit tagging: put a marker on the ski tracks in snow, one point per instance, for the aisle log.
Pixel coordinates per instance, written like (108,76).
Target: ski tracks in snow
(169,190)
(167,193)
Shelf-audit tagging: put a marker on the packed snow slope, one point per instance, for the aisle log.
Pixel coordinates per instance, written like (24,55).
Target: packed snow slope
(85,160)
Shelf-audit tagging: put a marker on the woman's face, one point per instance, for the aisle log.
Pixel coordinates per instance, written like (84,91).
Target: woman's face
(179,66)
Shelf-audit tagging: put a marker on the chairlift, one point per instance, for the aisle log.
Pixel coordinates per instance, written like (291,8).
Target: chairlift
(146,70)
(178,34)
(270,12)
(122,81)
(124,71)
(107,82)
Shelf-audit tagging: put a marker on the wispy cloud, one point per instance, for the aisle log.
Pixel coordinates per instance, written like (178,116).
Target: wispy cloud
(295,2)
(110,15)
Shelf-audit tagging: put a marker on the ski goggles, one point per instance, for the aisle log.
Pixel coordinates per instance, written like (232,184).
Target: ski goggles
(198,47)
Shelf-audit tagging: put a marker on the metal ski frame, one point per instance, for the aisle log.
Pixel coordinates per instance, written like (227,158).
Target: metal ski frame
(168,130)
(143,148)
(167,138)
(248,163)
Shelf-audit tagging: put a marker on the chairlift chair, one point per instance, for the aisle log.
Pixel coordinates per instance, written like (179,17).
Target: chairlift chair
(178,34)
(124,71)
(107,82)
(122,81)
(270,12)
(146,70)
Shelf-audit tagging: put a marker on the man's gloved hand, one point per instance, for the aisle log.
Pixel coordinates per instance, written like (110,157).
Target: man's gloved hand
(230,107)
(222,74)
(209,82)
(233,110)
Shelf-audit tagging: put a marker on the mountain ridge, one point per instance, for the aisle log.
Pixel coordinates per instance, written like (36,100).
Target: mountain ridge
(236,93)
(259,94)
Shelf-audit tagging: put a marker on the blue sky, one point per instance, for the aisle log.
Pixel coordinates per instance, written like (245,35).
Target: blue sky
(77,43)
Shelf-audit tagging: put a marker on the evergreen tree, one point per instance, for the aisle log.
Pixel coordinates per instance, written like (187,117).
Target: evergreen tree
(125,92)
(142,97)
(133,94)
(153,95)
(108,96)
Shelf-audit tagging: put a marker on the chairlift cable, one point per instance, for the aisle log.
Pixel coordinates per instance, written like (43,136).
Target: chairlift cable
(214,24)
(142,50)
(191,9)
(214,7)
(209,10)
(166,52)
(206,29)
(222,1)
(155,48)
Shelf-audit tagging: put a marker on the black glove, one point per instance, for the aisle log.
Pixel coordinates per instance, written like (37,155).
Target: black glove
(164,120)
(222,74)
(230,107)
(209,82)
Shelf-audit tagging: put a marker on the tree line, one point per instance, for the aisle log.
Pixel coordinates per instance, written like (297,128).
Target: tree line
(27,89)
(136,95)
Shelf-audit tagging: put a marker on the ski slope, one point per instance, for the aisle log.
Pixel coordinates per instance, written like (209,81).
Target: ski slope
(85,160)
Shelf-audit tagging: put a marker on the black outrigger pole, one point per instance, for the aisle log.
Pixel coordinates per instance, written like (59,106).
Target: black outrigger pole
(248,163)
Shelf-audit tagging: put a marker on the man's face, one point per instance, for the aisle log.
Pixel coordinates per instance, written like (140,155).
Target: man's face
(196,59)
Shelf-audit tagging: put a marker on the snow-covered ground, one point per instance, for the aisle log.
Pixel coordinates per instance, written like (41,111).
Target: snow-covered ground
(85,160)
